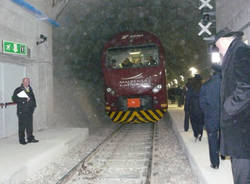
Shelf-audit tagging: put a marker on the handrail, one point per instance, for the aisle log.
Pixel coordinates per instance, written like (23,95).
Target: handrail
(4,105)
(9,103)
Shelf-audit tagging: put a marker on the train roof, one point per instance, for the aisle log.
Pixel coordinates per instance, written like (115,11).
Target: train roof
(132,38)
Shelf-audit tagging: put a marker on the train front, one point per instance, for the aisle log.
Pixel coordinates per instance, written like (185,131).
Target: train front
(135,83)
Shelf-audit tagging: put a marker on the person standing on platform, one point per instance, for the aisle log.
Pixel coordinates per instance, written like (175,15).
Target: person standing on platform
(210,105)
(235,102)
(196,114)
(186,101)
(179,96)
(26,104)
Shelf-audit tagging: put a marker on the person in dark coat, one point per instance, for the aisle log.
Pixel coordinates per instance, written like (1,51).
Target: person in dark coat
(26,104)
(210,105)
(235,102)
(186,100)
(179,96)
(196,114)
(171,95)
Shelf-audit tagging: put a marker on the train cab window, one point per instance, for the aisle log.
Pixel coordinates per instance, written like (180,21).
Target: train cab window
(132,57)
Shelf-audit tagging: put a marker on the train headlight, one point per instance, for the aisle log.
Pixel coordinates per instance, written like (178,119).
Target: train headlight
(157,88)
(109,90)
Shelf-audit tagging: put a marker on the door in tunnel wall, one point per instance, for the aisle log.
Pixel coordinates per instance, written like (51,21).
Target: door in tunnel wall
(1,101)
(11,76)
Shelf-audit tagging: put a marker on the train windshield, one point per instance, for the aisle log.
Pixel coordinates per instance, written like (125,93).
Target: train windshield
(132,57)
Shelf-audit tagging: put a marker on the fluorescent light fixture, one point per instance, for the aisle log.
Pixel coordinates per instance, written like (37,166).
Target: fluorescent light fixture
(216,57)
(134,53)
(193,71)
(176,81)
(182,77)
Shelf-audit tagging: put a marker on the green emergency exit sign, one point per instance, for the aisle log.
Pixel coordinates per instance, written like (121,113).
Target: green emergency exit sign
(14,48)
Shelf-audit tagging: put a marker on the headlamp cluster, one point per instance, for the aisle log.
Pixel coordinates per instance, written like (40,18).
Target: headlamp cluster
(109,90)
(157,88)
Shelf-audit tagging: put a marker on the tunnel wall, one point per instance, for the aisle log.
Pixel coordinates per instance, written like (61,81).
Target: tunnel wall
(20,25)
(235,15)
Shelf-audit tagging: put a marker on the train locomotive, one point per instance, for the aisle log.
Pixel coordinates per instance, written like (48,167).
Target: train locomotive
(133,65)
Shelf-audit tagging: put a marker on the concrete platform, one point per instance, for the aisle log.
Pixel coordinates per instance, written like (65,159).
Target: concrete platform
(18,162)
(198,153)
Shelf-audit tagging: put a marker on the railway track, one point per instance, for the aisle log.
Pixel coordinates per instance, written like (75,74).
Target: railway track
(123,157)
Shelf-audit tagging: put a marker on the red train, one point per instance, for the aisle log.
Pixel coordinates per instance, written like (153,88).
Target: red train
(133,64)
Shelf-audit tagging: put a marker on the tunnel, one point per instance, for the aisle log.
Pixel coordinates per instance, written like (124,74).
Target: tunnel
(110,81)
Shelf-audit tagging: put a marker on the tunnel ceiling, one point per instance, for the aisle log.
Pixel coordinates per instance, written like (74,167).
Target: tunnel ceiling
(87,24)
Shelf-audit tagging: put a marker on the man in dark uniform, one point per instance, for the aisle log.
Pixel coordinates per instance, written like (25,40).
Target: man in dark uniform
(195,112)
(235,102)
(26,104)
(186,105)
(210,105)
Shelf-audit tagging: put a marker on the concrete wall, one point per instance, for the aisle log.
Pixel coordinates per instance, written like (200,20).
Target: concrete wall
(19,25)
(234,14)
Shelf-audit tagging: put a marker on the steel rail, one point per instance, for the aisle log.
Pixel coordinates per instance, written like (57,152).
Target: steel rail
(150,166)
(71,173)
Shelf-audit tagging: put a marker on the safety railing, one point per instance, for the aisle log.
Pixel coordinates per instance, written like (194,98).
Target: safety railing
(4,105)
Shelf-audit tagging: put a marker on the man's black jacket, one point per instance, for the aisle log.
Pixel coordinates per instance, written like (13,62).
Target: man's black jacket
(24,106)
(235,101)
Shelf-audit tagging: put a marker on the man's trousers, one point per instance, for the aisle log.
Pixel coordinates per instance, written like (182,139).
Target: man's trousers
(186,121)
(214,146)
(197,125)
(25,123)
